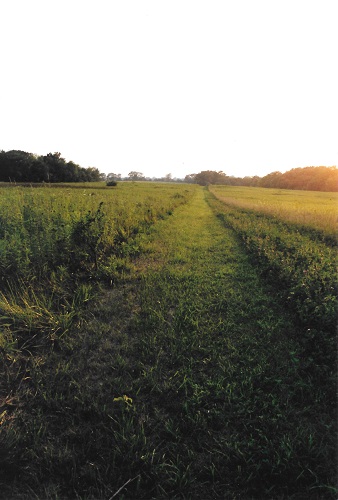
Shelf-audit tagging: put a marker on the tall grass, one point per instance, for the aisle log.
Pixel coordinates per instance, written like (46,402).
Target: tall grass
(303,264)
(42,229)
(55,242)
(309,209)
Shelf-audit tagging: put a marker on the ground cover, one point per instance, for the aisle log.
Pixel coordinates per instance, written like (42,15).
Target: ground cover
(57,242)
(303,263)
(74,226)
(186,378)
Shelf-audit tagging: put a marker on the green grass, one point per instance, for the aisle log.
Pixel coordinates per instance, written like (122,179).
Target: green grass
(303,264)
(186,377)
(87,228)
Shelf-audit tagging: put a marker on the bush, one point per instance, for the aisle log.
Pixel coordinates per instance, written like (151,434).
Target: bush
(111,183)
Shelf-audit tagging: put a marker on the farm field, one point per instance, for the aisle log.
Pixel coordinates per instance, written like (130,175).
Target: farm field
(165,341)
(312,209)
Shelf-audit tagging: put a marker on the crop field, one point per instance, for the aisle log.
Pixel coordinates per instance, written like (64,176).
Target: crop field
(167,341)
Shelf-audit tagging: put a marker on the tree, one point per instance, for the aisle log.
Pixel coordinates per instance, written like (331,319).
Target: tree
(113,177)
(54,167)
(191,178)
(20,166)
(308,178)
(71,171)
(38,171)
(271,180)
(16,166)
(210,177)
(135,176)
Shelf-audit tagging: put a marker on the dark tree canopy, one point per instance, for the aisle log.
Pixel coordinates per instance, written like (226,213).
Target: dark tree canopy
(20,166)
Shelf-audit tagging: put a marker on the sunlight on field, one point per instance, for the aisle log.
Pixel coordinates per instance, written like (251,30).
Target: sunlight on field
(155,328)
(43,228)
(308,208)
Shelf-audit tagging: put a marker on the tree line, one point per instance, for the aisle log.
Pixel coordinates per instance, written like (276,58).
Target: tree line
(20,166)
(305,178)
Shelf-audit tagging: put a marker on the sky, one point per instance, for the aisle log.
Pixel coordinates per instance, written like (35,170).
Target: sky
(247,87)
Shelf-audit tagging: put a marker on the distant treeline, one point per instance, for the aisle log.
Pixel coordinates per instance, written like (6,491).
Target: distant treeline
(307,178)
(19,166)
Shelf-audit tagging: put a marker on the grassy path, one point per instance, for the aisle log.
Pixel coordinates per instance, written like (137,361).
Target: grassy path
(186,383)
(219,360)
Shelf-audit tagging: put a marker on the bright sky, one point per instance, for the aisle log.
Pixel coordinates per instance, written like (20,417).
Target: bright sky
(171,86)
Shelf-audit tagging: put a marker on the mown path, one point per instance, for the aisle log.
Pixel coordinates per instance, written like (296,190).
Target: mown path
(187,381)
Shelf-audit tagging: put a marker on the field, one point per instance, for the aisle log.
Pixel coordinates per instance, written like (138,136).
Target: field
(314,209)
(167,341)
